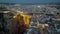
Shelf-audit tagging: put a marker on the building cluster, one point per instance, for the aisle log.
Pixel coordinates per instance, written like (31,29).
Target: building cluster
(29,19)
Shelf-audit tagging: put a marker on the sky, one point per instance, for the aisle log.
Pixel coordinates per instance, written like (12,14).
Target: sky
(29,1)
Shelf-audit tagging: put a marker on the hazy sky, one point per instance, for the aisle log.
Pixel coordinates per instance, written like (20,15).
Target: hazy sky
(29,1)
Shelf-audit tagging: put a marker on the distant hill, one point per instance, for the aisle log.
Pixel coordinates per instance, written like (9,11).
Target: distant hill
(32,3)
